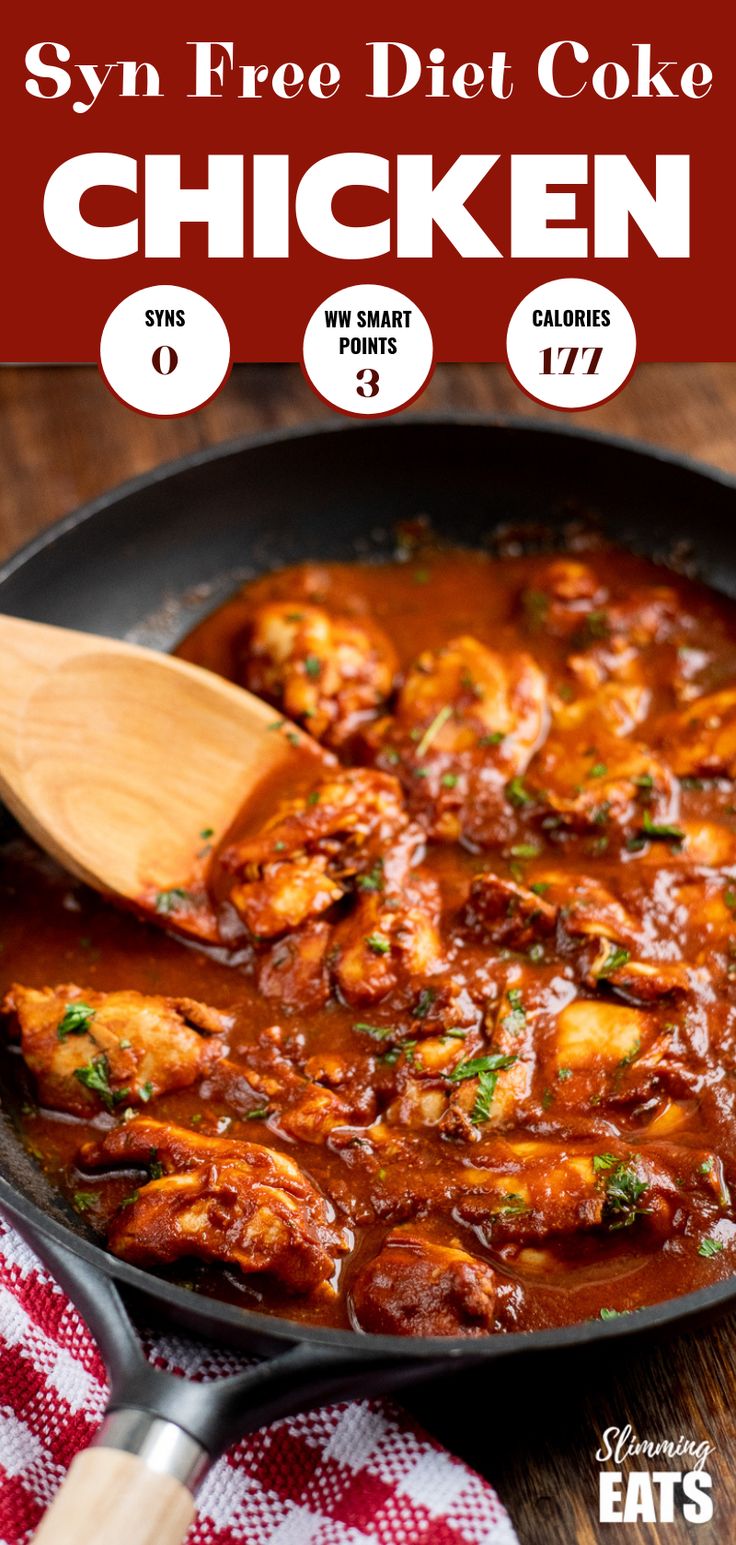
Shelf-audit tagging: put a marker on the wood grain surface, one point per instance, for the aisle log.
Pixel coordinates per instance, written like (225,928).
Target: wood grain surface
(533,1429)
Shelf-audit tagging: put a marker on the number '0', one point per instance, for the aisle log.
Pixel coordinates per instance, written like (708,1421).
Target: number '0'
(165,359)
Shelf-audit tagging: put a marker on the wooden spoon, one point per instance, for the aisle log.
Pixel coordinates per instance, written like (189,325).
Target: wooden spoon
(118,760)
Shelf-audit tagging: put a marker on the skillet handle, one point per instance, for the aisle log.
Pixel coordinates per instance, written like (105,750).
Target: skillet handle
(133,1486)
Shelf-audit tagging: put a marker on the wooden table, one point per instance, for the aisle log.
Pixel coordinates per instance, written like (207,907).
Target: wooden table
(532,1429)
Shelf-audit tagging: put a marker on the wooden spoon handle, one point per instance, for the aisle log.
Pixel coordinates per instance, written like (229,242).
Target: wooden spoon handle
(113,1498)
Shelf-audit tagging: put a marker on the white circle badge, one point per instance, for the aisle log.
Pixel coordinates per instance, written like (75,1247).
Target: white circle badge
(571,343)
(165,350)
(368,349)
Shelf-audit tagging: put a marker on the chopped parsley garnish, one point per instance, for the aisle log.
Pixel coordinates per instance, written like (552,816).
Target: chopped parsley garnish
(610,1314)
(129,1200)
(449,780)
(598,770)
(494,739)
(706,1166)
(312,666)
(258,1113)
(548,1097)
(169,901)
(486,1070)
(624,1191)
(379,1032)
(496,1062)
(276,724)
(378,943)
(145,1091)
(540,887)
(616,957)
(710,1247)
(643,781)
(536,952)
(95,1076)
(424,1002)
(564,1073)
(440,719)
(313,797)
(514,1022)
(84,1199)
(525,850)
(517,793)
(207,831)
(156,1170)
(604,1161)
(373,880)
(659,832)
(512,1206)
(75,1020)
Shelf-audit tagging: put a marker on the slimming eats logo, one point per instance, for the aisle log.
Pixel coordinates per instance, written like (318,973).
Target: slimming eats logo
(651,1496)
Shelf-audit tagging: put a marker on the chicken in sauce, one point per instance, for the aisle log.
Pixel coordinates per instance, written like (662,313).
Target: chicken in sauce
(464,1061)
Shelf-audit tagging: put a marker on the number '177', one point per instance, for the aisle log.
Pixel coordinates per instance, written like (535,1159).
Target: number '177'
(568,359)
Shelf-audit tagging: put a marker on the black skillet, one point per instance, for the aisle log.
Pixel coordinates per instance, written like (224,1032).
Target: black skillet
(148,561)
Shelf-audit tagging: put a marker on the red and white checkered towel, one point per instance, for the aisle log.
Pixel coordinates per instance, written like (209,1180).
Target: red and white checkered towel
(357,1474)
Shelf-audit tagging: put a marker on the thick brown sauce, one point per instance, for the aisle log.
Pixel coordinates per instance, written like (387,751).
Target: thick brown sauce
(54,931)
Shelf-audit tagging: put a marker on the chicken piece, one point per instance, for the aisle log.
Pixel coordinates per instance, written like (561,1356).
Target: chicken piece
(388,938)
(218,1199)
(92,1051)
(564,592)
(638,980)
(558,1193)
(415,1287)
(295,970)
(616,785)
(700,740)
(328,672)
(616,708)
(467,719)
(285,894)
(507,914)
(465,693)
(596,1033)
(295,1106)
(587,908)
(315,845)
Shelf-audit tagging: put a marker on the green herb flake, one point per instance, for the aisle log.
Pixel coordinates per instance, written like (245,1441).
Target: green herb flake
(525,850)
(496,1062)
(616,958)
(75,1020)
(563,1074)
(598,770)
(378,943)
(379,1032)
(661,833)
(494,739)
(449,780)
(517,793)
(258,1113)
(540,887)
(424,1002)
(95,1076)
(145,1091)
(312,666)
(84,1199)
(373,880)
(206,832)
(432,731)
(130,1199)
(710,1247)
(610,1314)
(707,1166)
(624,1191)
(171,900)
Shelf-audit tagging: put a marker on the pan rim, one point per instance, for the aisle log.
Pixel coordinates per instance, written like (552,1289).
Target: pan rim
(261,439)
(271,1328)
